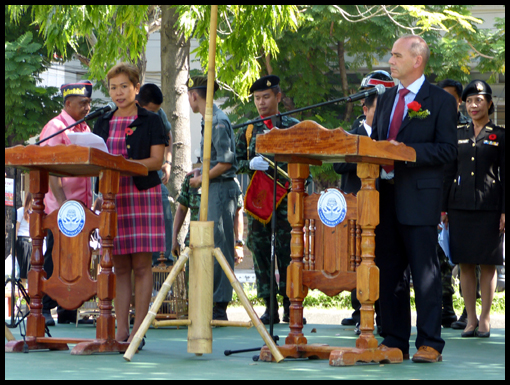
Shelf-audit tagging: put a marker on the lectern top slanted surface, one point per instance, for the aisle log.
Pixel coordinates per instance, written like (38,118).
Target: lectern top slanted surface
(72,160)
(309,140)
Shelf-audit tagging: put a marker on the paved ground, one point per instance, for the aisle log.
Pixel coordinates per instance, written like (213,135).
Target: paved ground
(165,356)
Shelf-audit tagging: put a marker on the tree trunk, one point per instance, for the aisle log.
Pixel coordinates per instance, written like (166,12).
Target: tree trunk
(343,76)
(174,74)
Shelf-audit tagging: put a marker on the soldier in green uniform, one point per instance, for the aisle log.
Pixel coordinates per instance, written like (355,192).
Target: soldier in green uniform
(267,95)
(189,199)
(223,190)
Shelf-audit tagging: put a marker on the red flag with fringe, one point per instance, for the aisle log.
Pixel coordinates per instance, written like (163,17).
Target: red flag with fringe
(258,200)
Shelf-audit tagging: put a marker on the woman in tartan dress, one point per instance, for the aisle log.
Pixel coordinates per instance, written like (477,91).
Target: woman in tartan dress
(136,134)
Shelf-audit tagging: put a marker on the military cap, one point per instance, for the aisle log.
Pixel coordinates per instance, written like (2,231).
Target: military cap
(200,82)
(265,83)
(81,88)
(476,87)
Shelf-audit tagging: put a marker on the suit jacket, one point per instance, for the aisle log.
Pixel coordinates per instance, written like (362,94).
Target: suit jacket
(476,179)
(419,185)
(148,130)
(351,183)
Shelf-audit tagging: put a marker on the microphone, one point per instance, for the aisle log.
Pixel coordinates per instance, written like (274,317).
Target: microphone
(92,115)
(103,110)
(379,89)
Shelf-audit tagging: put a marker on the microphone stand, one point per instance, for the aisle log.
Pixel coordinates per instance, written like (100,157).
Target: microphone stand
(90,116)
(61,131)
(347,99)
(272,298)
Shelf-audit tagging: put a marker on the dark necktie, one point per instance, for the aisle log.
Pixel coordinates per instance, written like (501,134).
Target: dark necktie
(396,122)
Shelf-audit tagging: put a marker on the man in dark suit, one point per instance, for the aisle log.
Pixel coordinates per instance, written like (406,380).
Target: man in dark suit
(410,199)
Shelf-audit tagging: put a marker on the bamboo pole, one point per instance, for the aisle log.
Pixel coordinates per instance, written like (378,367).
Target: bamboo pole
(201,287)
(8,335)
(247,305)
(151,315)
(204,203)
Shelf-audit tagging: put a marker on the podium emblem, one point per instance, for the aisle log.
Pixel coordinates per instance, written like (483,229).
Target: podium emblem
(71,218)
(332,207)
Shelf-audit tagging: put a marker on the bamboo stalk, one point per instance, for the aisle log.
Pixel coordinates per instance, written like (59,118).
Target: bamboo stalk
(247,305)
(151,315)
(204,202)
(173,322)
(237,324)
(201,287)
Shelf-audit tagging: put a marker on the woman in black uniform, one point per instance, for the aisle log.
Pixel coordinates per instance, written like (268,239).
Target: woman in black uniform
(475,196)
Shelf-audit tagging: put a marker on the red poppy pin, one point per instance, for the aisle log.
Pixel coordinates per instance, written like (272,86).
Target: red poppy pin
(493,137)
(129,131)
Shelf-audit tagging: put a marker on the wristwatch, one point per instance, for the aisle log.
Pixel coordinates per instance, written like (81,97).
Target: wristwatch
(168,162)
(239,242)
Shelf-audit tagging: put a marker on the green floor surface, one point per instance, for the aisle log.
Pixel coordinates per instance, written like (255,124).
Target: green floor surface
(165,358)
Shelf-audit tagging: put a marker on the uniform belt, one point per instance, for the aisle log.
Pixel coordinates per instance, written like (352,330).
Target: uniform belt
(220,180)
(23,238)
(389,181)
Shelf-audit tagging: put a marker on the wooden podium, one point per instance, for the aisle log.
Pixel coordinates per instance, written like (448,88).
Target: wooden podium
(70,284)
(309,143)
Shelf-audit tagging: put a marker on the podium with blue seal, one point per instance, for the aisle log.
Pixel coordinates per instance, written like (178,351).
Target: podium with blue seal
(71,284)
(333,238)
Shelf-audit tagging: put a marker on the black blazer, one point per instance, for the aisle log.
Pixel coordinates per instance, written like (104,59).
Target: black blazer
(149,131)
(419,185)
(476,179)
(351,183)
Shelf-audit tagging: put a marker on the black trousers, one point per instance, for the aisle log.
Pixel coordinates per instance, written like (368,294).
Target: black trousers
(397,247)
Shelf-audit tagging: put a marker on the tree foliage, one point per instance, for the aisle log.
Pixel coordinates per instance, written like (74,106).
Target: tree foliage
(245,34)
(27,105)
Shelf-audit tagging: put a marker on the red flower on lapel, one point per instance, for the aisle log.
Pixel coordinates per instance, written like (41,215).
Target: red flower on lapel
(493,137)
(415,111)
(129,131)
(415,106)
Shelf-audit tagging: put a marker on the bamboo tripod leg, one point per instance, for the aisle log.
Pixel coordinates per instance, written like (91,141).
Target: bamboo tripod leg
(151,315)
(8,334)
(247,305)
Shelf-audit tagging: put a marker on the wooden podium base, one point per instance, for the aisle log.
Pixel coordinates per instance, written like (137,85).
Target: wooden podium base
(84,346)
(337,356)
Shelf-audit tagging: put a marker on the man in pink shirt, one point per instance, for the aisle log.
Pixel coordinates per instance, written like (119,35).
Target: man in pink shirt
(77,98)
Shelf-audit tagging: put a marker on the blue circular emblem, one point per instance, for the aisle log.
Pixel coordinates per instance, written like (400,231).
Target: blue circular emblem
(71,218)
(332,207)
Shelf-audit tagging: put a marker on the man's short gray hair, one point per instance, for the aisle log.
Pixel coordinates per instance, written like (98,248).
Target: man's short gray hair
(419,47)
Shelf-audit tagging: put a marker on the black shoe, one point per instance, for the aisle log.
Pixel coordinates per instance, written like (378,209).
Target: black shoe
(349,322)
(49,321)
(471,333)
(266,317)
(480,334)
(220,311)
(461,323)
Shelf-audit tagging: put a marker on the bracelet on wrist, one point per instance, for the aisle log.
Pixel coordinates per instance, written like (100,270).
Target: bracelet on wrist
(239,242)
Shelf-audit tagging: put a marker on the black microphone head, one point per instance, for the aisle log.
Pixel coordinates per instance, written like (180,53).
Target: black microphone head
(380,89)
(110,106)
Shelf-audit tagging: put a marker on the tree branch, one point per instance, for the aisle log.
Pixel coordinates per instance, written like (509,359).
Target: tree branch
(479,53)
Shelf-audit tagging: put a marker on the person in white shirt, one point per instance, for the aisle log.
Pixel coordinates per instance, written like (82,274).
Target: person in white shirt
(23,241)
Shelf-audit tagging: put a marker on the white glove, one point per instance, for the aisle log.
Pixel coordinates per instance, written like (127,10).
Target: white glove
(258,163)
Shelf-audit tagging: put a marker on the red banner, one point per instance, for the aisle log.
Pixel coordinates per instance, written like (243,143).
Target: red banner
(258,201)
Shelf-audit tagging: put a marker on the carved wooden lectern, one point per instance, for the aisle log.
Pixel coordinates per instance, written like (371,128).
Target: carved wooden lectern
(70,284)
(309,143)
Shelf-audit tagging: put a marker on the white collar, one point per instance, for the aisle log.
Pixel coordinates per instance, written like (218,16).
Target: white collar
(415,86)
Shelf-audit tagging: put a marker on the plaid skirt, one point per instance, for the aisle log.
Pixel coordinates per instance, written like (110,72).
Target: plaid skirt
(140,221)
